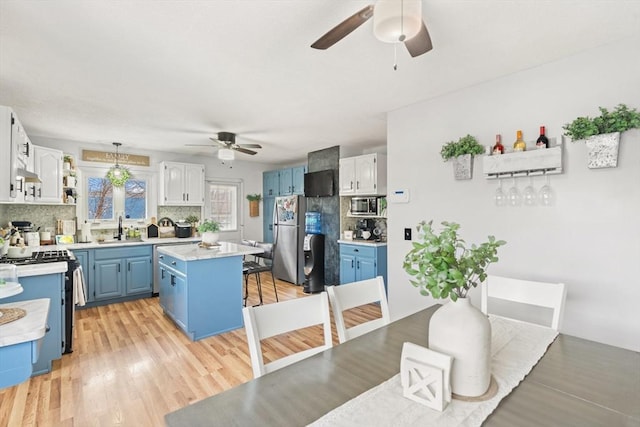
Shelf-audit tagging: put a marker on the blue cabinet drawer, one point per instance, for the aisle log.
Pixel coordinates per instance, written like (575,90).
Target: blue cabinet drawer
(174,263)
(359,250)
(122,252)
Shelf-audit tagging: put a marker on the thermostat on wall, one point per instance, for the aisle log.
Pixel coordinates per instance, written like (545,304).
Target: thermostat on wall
(399,196)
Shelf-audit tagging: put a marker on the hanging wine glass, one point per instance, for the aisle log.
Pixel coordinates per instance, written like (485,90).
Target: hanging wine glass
(514,195)
(546,194)
(530,193)
(501,198)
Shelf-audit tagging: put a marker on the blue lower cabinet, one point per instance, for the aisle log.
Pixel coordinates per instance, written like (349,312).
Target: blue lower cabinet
(202,297)
(361,262)
(115,277)
(45,286)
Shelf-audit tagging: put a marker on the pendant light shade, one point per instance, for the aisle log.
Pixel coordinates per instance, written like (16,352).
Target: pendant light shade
(225,154)
(117,174)
(395,21)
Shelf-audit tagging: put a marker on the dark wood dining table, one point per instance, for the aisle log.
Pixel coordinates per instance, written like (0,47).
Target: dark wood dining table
(576,383)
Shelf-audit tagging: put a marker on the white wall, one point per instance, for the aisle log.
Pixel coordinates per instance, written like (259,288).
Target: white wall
(590,237)
(249,172)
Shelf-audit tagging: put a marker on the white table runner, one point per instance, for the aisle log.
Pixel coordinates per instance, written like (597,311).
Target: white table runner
(515,348)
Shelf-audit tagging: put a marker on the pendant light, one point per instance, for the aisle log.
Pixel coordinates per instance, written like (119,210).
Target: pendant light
(117,174)
(395,21)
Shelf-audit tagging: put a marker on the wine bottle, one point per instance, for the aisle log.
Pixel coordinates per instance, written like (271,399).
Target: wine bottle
(498,148)
(542,141)
(519,145)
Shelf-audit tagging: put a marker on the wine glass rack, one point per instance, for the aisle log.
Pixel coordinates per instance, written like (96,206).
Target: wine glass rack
(533,161)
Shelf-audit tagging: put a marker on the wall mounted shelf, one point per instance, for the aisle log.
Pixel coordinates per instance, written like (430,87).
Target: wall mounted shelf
(532,162)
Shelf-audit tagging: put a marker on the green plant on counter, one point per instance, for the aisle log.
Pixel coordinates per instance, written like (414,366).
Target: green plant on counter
(442,264)
(209,225)
(254,197)
(465,145)
(192,219)
(619,120)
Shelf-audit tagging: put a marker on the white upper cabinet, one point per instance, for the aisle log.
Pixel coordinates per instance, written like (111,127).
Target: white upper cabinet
(181,184)
(47,164)
(17,156)
(363,175)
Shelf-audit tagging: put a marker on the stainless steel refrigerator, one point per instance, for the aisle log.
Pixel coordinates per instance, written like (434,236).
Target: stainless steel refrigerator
(288,237)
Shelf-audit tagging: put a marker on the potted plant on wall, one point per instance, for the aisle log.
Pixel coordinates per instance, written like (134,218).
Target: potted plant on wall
(444,267)
(209,231)
(254,204)
(461,152)
(602,134)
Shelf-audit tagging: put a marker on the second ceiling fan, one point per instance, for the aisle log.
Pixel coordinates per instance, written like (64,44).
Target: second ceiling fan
(227,140)
(394,21)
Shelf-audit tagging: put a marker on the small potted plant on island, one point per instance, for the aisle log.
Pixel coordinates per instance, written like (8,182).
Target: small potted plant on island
(209,231)
(461,152)
(602,134)
(254,204)
(444,267)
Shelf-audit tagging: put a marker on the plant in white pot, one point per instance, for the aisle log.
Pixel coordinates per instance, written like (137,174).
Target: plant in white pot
(209,231)
(444,267)
(461,153)
(602,134)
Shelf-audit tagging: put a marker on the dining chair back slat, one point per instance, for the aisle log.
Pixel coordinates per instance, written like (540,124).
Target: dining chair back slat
(350,295)
(542,294)
(269,320)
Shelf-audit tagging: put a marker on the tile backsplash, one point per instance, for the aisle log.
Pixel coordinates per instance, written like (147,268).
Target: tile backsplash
(43,216)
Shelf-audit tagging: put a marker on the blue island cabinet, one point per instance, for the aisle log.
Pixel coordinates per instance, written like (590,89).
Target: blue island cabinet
(204,296)
(46,286)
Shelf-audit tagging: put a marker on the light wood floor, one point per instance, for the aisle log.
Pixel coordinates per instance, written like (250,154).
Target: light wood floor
(131,365)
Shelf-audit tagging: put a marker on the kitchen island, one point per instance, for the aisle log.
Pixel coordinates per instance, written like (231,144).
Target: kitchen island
(201,288)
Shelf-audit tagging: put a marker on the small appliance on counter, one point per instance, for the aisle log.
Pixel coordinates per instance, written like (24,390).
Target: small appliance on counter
(182,229)
(364,228)
(166,227)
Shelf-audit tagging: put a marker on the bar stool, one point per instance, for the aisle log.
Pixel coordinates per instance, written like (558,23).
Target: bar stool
(263,263)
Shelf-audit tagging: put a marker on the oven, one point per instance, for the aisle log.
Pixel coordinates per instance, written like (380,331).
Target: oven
(58,255)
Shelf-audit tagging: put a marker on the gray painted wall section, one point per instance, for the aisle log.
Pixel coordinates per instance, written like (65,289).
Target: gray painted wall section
(329,207)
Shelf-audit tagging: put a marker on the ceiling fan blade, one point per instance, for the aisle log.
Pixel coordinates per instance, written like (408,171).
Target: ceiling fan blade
(420,43)
(249,145)
(344,28)
(201,145)
(217,141)
(243,150)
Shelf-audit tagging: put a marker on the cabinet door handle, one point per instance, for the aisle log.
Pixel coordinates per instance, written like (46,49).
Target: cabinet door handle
(358,265)
(128,266)
(173,263)
(187,197)
(173,280)
(356,250)
(162,273)
(160,256)
(118,268)
(351,185)
(351,263)
(357,185)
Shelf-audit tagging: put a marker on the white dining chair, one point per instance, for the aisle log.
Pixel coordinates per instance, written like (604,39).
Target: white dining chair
(542,294)
(350,295)
(269,320)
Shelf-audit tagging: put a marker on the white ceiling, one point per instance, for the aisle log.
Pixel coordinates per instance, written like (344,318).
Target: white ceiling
(162,74)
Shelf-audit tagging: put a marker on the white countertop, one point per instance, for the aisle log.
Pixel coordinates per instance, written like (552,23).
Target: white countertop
(121,243)
(29,328)
(362,242)
(194,252)
(40,269)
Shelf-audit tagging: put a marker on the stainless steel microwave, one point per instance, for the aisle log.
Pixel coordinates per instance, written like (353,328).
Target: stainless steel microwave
(369,206)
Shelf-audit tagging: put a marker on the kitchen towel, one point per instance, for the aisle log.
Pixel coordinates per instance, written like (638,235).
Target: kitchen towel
(79,291)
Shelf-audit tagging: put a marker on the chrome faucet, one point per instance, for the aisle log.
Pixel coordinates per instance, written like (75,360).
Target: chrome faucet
(120,227)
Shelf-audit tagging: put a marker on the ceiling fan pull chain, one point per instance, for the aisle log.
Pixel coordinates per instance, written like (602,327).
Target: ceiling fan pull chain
(395,57)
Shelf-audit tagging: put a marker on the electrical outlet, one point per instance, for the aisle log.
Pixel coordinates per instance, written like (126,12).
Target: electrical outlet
(407,234)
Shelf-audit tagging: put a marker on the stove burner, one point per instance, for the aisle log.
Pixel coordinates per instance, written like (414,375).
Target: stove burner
(40,257)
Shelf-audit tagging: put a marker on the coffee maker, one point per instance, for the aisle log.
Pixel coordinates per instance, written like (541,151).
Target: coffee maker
(364,228)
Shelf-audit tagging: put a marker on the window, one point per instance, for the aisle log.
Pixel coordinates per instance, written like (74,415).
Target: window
(223,205)
(104,202)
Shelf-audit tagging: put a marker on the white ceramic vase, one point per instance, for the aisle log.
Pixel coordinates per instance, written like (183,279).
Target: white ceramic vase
(209,237)
(464,332)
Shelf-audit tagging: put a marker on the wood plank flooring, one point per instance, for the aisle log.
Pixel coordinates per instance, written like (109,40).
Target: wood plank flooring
(131,365)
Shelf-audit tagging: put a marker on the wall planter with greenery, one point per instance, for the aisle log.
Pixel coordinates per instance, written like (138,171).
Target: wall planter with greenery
(461,154)
(602,134)
(441,265)
(254,204)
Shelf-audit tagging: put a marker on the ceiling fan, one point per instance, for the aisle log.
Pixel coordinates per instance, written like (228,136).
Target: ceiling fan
(227,141)
(394,21)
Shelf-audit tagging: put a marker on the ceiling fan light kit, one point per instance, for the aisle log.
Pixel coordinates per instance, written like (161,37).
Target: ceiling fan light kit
(225,154)
(395,21)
